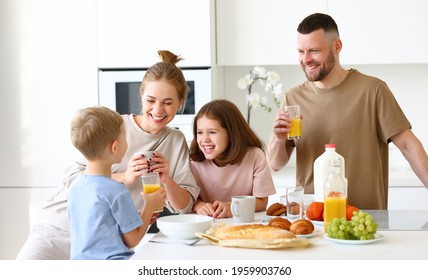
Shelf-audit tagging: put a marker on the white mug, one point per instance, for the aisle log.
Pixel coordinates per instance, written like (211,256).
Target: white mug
(144,154)
(243,208)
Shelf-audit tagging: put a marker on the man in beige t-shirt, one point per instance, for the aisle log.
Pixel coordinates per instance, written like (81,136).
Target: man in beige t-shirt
(356,112)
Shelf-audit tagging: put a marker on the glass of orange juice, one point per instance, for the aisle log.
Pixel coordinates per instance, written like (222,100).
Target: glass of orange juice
(296,122)
(151,183)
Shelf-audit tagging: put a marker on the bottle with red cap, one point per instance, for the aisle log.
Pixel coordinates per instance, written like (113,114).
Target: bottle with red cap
(321,170)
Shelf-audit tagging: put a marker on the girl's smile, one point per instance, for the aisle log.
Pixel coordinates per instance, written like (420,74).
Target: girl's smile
(211,137)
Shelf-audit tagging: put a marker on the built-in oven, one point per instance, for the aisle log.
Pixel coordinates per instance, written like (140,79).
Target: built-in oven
(120,91)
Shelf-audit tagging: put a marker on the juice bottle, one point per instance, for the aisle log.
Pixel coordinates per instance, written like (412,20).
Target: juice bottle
(334,194)
(333,207)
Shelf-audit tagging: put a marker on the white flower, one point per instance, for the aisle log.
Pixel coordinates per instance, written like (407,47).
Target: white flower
(244,82)
(277,90)
(273,77)
(259,72)
(255,100)
(268,80)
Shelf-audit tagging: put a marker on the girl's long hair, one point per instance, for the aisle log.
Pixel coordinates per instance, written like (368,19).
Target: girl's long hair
(241,136)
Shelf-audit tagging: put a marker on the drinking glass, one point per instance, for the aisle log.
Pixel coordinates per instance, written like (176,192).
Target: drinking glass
(296,122)
(151,183)
(295,203)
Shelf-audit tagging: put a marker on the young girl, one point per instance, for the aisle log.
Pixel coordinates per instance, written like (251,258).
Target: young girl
(227,159)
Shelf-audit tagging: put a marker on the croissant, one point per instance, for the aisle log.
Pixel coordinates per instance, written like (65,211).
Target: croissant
(276,209)
(281,223)
(302,226)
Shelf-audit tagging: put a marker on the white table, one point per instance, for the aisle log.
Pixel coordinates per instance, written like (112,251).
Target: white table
(402,244)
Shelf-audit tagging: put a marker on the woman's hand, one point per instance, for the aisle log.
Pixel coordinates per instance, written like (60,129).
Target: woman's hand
(158,163)
(137,166)
(178,197)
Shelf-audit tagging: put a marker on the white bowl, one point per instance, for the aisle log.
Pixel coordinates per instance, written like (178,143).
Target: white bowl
(184,226)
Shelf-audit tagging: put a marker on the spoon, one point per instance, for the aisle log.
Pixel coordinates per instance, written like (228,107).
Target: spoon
(193,242)
(189,243)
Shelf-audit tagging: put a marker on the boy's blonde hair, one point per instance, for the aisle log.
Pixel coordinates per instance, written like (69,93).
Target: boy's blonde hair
(93,129)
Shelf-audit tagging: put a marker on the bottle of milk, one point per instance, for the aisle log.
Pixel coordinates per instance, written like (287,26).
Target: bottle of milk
(321,170)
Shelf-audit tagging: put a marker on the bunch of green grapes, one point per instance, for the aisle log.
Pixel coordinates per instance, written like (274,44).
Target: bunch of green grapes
(340,228)
(361,227)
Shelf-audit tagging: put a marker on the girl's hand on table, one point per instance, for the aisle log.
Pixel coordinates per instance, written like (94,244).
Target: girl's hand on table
(222,210)
(206,209)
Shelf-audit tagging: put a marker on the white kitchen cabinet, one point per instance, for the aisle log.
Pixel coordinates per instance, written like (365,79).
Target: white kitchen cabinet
(130,32)
(261,32)
(382,32)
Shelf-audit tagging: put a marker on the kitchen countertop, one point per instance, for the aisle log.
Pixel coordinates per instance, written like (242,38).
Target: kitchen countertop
(404,232)
(403,177)
(401,220)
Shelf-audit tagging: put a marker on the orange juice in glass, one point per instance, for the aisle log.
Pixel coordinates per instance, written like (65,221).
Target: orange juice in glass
(334,206)
(151,183)
(296,122)
(151,188)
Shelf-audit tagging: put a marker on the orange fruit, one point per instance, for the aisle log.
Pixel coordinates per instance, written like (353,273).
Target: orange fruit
(315,211)
(350,211)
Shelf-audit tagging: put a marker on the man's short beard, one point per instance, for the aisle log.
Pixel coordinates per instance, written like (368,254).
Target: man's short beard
(325,69)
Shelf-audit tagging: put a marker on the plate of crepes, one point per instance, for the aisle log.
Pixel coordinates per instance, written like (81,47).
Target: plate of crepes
(278,234)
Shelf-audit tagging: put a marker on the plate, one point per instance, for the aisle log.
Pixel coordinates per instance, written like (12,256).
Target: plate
(273,217)
(280,243)
(378,237)
(317,223)
(315,233)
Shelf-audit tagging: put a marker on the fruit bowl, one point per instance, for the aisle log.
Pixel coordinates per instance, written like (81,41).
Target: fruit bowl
(183,226)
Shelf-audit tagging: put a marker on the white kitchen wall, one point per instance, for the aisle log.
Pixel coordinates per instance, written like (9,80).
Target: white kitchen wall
(48,70)
(407,82)
(51,72)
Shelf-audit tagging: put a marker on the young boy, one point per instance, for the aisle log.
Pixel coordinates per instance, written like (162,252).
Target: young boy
(104,221)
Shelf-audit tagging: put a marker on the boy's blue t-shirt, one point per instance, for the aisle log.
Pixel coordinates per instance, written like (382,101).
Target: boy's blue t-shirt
(100,210)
